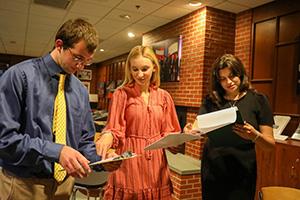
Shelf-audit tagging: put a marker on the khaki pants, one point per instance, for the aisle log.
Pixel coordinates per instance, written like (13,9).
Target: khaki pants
(16,188)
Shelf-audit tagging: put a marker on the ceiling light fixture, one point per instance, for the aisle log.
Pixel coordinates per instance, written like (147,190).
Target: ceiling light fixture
(130,34)
(125,16)
(101,50)
(195,3)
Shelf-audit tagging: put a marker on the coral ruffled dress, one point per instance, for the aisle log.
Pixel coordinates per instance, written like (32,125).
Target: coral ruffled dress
(134,126)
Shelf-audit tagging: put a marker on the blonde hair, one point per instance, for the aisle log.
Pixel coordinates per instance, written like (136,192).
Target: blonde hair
(146,52)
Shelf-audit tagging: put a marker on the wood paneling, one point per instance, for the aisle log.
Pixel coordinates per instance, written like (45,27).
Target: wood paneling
(114,74)
(288,165)
(280,167)
(286,99)
(265,167)
(7,60)
(264,43)
(264,87)
(275,8)
(276,55)
(287,30)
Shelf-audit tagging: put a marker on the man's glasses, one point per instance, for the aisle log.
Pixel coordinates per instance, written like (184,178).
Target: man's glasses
(79,59)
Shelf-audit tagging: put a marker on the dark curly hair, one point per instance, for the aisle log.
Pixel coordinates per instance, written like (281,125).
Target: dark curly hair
(237,68)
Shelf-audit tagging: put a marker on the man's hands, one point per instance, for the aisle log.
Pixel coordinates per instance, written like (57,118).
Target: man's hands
(77,165)
(74,162)
(111,166)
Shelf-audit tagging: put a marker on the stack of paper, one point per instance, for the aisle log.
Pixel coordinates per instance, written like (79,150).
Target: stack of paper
(218,119)
(218,126)
(280,124)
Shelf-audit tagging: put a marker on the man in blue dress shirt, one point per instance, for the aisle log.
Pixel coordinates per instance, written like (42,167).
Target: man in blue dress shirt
(27,93)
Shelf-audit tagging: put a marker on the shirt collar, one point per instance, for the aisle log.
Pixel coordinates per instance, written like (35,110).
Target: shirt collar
(53,68)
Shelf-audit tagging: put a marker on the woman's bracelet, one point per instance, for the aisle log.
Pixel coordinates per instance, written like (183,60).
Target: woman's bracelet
(256,137)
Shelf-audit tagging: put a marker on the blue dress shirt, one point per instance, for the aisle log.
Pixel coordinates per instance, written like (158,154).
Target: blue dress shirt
(27,94)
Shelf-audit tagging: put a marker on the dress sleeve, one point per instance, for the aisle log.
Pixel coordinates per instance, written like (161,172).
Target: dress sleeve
(265,114)
(116,123)
(170,119)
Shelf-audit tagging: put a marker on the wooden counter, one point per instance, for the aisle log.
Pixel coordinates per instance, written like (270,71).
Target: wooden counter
(280,167)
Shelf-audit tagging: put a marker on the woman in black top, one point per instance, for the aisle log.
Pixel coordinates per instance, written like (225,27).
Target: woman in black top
(229,172)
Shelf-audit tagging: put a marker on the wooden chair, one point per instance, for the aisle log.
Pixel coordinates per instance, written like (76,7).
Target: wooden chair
(279,193)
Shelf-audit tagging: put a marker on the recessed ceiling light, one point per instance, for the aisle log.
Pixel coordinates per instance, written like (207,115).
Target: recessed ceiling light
(195,3)
(130,34)
(101,50)
(125,16)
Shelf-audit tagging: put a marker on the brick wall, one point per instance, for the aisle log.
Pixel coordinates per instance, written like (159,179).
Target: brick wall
(243,38)
(186,92)
(219,38)
(186,186)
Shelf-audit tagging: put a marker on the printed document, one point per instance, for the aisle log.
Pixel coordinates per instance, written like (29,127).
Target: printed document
(218,119)
(218,126)
(172,139)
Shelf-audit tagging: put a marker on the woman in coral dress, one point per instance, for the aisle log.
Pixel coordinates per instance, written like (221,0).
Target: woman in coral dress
(140,113)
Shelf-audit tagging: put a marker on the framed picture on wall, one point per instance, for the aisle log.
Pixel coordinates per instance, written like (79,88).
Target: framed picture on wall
(85,74)
(168,53)
(87,85)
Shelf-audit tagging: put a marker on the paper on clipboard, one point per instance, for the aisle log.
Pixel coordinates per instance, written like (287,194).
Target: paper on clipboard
(114,159)
(172,139)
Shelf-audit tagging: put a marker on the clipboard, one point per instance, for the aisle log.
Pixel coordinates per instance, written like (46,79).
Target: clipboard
(126,155)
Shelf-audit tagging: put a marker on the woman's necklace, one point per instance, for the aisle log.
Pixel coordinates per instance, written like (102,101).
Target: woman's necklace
(233,101)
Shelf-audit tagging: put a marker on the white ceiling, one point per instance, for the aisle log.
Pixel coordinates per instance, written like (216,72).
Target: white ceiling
(28,28)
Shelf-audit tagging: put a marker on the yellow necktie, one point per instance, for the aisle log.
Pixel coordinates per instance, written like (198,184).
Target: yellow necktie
(60,125)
